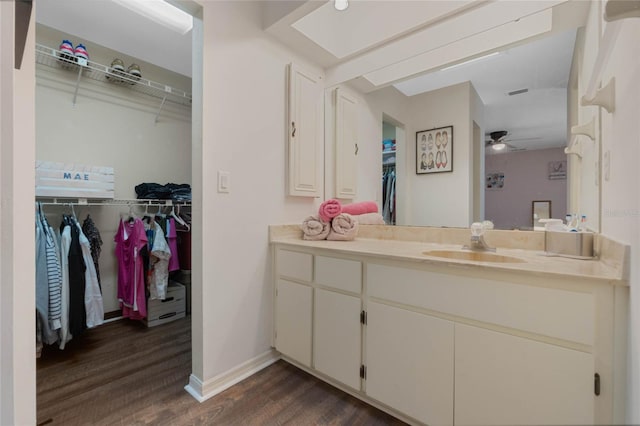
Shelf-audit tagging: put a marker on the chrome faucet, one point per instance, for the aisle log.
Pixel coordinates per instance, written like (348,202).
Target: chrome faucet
(477,242)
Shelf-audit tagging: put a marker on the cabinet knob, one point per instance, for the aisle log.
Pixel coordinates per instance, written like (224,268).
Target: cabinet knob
(293,129)
(356,149)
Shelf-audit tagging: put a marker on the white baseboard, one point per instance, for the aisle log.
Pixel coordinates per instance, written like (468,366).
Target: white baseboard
(205,390)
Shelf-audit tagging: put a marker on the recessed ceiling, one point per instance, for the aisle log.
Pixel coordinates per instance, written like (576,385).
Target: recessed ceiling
(366,24)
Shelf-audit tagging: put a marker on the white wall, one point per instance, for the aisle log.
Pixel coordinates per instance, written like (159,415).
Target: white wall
(17,292)
(110,126)
(620,192)
(442,199)
(243,133)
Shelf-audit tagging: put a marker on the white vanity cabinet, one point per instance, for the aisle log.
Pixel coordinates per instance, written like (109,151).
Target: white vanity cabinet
(294,305)
(337,325)
(410,362)
(439,344)
(507,380)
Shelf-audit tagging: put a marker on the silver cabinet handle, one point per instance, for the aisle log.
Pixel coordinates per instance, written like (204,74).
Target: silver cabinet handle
(293,126)
(356,149)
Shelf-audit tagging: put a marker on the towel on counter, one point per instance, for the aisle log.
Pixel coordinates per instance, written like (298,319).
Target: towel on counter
(330,209)
(313,228)
(369,219)
(343,228)
(362,207)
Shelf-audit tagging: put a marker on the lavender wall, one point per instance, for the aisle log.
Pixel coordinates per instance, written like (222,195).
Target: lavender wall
(526,179)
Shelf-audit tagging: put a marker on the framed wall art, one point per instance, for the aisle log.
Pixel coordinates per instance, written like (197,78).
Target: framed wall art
(434,150)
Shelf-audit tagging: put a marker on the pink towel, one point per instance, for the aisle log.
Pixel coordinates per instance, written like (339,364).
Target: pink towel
(315,229)
(330,209)
(360,208)
(343,228)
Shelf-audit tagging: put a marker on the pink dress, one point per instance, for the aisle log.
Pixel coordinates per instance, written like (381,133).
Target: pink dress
(130,239)
(172,239)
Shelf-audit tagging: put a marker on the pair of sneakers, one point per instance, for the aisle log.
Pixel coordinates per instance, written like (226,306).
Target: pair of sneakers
(117,69)
(73,55)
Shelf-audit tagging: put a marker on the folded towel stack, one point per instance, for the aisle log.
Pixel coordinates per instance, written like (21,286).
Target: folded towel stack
(343,228)
(314,228)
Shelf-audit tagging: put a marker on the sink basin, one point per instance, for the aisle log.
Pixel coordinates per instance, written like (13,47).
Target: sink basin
(477,256)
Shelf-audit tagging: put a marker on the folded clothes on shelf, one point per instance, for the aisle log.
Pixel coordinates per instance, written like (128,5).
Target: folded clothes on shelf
(170,191)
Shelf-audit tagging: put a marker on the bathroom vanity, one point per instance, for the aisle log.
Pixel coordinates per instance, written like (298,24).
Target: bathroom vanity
(405,320)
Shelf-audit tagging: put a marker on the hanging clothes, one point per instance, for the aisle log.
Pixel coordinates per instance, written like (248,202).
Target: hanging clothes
(131,248)
(92,233)
(172,240)
(64,335)
(47,335)
(389,195)
(93,305)
(77,281)
(158,263)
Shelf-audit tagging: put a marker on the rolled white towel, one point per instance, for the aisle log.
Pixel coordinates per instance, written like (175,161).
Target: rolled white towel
(313,228)
(343,228)
(369,219)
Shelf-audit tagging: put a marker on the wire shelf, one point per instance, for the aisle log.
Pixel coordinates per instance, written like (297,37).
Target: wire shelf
(95,71)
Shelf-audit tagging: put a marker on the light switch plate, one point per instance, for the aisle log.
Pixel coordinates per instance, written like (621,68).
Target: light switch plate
(223,181)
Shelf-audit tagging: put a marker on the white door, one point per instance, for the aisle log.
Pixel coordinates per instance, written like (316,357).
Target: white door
(337,336)
(507,380)
(305,133)
(293,320)
(409,359)
(346,144)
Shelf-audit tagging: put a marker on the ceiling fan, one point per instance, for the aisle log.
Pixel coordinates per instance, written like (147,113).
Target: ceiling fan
(499,141)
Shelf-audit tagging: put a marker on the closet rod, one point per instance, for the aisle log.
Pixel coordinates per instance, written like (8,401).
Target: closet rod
(124,202)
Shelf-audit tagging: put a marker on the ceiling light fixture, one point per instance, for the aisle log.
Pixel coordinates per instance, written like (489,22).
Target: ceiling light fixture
(341,4)
(470,61)
(160,12)
(498,146)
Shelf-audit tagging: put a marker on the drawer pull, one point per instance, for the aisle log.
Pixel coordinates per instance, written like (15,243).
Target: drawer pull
(168,299)
(169,315)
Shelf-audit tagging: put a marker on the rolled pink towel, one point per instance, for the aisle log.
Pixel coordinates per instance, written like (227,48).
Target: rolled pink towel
(361,207)
(343,228)
(369,219)
(313,228)
(329,209)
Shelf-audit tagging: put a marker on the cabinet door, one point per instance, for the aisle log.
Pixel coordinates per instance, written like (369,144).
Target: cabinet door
(337,336)
(293,320)
(409,359)
(507,380)
(346,144)
(305,130)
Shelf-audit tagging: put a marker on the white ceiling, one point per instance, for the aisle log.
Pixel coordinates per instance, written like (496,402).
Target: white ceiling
(108,24)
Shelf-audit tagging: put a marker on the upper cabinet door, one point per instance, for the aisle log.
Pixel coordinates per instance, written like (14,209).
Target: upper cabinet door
(305,133)
(346,145)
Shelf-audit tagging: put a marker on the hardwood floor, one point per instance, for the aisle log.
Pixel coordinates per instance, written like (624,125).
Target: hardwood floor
(123,373)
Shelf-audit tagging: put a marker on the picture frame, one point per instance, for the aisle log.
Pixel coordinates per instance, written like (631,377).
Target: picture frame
(434,150)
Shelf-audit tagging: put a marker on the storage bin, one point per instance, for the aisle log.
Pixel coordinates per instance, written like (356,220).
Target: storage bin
(170,309)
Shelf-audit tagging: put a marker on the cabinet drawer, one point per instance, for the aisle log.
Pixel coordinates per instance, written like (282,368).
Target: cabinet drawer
(551,312)
(295,265)
(339,273)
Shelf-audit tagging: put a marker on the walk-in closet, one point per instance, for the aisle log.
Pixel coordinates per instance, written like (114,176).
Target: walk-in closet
(113,149)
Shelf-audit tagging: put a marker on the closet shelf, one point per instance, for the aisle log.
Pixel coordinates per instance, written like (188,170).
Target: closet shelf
(95,71)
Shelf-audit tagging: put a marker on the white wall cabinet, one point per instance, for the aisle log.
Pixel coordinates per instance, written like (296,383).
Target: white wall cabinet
(305,162)
(410,363)
(337,331)
(346,128)
(508,380)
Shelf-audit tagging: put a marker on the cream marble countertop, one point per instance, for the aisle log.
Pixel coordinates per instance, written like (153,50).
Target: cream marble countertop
(383,242)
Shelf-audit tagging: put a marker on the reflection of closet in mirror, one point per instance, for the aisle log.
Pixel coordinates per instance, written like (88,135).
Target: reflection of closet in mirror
(389,146)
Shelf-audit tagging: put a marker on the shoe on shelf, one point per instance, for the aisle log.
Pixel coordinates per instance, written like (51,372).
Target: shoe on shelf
(66,52)
(116,71)
(134,72)
(81,54)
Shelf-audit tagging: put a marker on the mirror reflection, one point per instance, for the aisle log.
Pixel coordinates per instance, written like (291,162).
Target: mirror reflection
(512,106)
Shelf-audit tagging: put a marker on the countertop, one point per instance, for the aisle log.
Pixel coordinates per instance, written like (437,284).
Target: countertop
(610,266)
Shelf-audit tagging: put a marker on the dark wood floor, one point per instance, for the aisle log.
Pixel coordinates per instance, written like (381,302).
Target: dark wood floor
(125,374)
